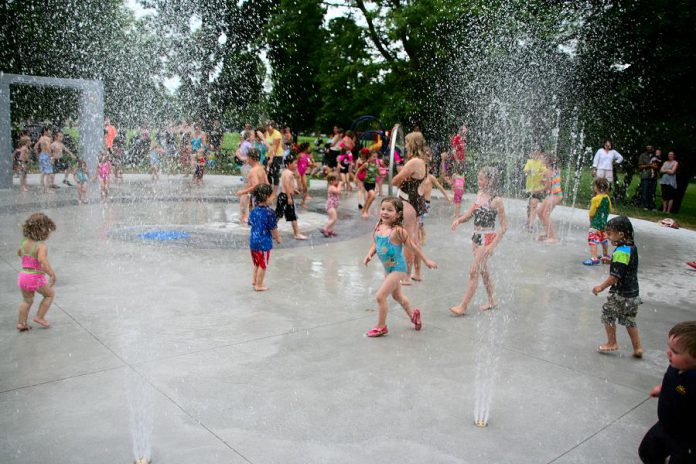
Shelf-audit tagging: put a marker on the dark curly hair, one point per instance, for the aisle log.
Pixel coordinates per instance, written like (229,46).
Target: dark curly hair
(38,227)
(261,193)
(621,224)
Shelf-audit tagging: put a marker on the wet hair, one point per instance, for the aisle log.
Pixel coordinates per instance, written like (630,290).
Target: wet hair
(38,227)
(290,159)
(415,144)
(493,176)
(551,159)
(398,206)
(304,147)
(685,333)
(261,193)
(601,184)
(253,154)
(45,129)
(621,224)
(81,164)
(331,178)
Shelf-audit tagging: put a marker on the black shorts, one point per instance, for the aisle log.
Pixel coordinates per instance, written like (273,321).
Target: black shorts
(332,158)
(368,186)
(668,192)
(274,169)
(345,168)
(283,208)
(60,165)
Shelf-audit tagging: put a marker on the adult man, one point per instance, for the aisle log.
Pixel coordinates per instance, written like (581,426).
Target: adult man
(648,181)
(274,153)
(603,162)
(43,148)
(60,163)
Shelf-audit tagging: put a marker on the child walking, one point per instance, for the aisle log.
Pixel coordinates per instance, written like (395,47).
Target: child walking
(35,267)
(622,303)
(389,239)
(369,170)
(673,434)
(333,196)
(457,181)
(486,208)
(81,177)
(264,230)
(600,206)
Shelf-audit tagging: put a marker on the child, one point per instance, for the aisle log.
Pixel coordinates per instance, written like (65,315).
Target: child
(600,206)
(81,178)
(333,196)
(552,182)
(200,169)
(286,204)
(262,221)
(35,267)
(389,239)
(457,181)
(623,300)
(673,434)
(360,176)
(369,170)
(486,208)
(345,162)
(104,171)
(303,162)
(155,152)
(534,172)
(22,156)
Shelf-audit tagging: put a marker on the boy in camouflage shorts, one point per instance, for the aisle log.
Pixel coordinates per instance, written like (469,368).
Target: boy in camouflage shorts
(622,303)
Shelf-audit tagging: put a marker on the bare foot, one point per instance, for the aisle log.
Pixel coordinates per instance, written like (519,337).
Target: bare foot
(417,277)
(25,190)
(638,353)
(551,240)
(607,348)
(488,306)
(365,216)
(457,311)
(244,220)
(406,282)
(260,289)
(541,238)
(300,237)
(42,322)
(23,327)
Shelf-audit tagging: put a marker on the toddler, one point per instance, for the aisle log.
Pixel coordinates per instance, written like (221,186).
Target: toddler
(262,221)
(600,206)
(81,178)
(333,196)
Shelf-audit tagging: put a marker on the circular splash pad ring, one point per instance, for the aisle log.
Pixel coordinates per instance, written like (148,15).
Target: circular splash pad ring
(164,235)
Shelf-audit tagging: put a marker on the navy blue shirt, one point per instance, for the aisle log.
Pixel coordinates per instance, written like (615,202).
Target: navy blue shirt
(676,406)
(624,266)
(262,221)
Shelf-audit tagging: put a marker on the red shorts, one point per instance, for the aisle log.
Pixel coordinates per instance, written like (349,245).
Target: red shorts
(260,258)
(596,237)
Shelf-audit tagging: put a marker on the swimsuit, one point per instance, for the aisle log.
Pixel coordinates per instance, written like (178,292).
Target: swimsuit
(391,255)
(302,164)
(31,278)
(556,189)
(80,176)
(104,170)
(332,201)
(45,163)
(458,188)
(484,217)
(409,193)
(196,143)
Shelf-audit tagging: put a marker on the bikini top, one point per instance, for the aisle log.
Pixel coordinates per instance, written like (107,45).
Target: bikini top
(30,260)
(484,214)
(556,184)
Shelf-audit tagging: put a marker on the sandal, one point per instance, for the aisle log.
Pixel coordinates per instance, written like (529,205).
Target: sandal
(377,331)
(416,319)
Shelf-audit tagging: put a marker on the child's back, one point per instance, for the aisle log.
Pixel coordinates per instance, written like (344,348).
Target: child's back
(262,220)
(599,211)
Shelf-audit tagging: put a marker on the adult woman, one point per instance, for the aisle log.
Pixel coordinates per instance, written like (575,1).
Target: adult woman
(668,183)
(603,162)
(409,180)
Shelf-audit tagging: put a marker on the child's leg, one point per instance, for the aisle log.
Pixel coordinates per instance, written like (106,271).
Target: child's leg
(611,344)
(244,208)
(488,285)
(369,198)
(471,285)
(605,249)
(260,274)
(24,307)
(593,251)
(390,284)
(634,334)
(400,298)
(531,211)
(333,217)
(654,446)
(254,275)
(48,294)
(296,231)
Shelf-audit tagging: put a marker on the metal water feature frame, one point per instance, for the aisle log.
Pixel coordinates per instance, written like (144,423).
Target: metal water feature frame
(91,123)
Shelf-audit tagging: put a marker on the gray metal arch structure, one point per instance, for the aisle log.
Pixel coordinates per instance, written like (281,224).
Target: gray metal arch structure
(91,123)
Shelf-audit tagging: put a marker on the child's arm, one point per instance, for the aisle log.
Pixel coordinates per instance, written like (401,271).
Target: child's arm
(611,280)
(656,390)
(45,266)
(408,242)
(439,186)
(370,254)
(594,204)
(500,207)
(465,217)
(276,235)
(361,168)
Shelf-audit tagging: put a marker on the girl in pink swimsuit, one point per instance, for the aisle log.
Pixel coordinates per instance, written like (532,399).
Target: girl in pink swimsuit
(304,161)
(35,266)
(333,196)
(104,172)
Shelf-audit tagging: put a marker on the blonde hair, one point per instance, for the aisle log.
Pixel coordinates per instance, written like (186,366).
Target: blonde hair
(415,145)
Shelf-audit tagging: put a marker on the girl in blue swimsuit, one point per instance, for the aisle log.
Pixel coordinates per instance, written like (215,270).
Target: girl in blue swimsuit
(390,238)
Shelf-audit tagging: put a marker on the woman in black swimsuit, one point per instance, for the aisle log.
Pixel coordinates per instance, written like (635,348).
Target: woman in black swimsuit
(409,180)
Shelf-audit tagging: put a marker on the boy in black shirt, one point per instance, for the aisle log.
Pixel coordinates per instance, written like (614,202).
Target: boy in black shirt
(622,303)
(674,435)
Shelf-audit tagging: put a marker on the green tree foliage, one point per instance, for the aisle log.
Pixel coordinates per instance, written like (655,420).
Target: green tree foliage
(295,41)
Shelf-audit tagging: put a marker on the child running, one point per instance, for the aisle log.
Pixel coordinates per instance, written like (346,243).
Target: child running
(370,168)
(673,434)
(262,221)
(600,206)
(35,267)
(486,208)
(333,196)
(389,239)
(81,177)
(622,303)
(457,181)
(345,163)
